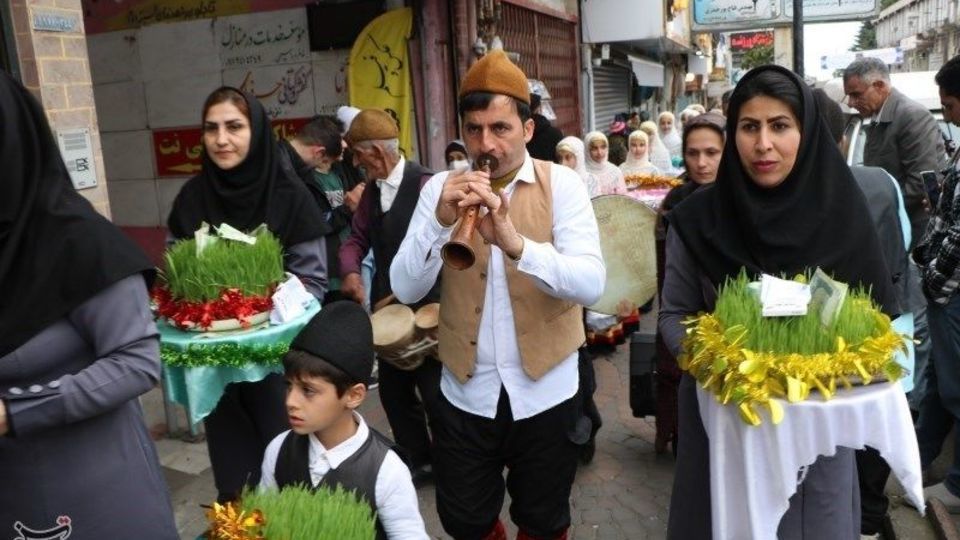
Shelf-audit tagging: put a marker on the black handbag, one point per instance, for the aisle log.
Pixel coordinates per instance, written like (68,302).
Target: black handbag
(643,374)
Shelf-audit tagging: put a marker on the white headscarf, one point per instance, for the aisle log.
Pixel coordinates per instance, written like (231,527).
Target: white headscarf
(608,175)
(659,155)
(635,166)
(671,139)
(575,147)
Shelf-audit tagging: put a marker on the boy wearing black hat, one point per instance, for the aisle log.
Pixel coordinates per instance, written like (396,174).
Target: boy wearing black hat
(327,370)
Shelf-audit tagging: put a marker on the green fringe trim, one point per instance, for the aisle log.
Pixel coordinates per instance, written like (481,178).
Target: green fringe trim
(224,355)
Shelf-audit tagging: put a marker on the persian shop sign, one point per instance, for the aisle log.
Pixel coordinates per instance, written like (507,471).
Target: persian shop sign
(718,15)
(107,16)
(179,151)
(747,40)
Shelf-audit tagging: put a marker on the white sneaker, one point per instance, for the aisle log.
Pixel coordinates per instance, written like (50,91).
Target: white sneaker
(940,491)
(870,536)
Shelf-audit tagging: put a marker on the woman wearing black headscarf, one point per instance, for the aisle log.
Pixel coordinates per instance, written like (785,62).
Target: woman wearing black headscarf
(701,148)
(77,347)
(784,201)
(243,184)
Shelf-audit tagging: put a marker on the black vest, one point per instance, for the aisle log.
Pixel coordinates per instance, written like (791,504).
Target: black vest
(358,473)
(388,229)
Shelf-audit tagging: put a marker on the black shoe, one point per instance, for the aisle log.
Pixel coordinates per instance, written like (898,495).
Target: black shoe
(587,451)
(422,474)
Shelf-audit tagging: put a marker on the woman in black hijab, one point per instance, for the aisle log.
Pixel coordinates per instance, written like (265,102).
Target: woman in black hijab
(77,347)
(784,201)
(702,146)
(243,184)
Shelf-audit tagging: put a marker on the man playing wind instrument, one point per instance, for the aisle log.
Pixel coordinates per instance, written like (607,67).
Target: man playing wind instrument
(510,325)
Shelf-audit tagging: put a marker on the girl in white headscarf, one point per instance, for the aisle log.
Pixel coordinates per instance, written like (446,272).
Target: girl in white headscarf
(669,135)
(659,155)
(638,156)
(570,154)
(609,176)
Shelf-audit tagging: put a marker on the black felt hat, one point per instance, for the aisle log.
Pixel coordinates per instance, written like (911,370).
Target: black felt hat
(341,335)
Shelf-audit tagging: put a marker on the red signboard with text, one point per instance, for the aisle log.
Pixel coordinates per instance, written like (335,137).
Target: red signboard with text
(743,41)
(178,151)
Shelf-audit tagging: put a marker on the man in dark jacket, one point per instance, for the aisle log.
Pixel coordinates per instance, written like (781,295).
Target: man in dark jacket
(313,155)
(543,145)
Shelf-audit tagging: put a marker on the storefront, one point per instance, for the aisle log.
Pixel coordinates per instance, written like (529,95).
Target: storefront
(611,93)
(549,52)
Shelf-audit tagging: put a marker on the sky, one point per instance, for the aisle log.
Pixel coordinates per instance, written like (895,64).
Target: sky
(824,39)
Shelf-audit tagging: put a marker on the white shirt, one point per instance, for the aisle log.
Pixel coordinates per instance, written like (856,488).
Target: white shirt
(397,505)
(390,185)
(570,268)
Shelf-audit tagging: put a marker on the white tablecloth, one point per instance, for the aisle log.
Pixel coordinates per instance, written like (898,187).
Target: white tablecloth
(753,469)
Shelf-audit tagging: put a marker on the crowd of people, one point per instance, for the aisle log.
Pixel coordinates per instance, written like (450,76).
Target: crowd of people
(505,405)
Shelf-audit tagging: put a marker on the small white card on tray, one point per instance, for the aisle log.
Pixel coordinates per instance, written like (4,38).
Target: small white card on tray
(290,300)
(782,297)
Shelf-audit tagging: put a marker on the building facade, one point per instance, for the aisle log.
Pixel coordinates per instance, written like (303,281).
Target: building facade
(43,45)
(927,31)
(133,75)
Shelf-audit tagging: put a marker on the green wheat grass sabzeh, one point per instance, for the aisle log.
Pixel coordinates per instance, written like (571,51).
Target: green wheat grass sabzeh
(739,305)
(297,513)
(226,264)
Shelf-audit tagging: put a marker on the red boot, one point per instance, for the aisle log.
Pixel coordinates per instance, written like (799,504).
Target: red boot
(524,536)
(498,532)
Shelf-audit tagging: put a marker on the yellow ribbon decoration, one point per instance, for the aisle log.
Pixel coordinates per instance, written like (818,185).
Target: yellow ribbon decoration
(227,522)
(714,355)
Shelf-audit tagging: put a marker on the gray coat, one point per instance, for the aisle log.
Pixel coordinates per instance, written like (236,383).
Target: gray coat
(906,141)
(79,455)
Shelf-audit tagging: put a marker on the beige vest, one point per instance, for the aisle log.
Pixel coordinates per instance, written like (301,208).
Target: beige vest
(548,329)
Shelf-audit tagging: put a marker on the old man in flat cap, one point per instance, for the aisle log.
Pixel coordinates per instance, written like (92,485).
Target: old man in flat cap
(379,225)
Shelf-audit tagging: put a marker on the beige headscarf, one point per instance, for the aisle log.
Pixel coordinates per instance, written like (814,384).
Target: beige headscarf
(634,166)
(659,155)
(575,147)
(609,177)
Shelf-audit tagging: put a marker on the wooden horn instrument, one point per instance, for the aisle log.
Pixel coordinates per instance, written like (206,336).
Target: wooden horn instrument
(457,251)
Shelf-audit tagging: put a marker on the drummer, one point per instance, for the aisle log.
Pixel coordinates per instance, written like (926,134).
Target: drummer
(510,325)
(379,225)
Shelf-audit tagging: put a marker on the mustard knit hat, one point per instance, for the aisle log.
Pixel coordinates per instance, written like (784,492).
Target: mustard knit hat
(495,73)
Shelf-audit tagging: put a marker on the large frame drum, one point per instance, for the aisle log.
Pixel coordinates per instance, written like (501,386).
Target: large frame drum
(627,243)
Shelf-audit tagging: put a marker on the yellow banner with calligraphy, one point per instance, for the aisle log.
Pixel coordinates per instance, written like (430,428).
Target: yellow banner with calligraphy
(379,75)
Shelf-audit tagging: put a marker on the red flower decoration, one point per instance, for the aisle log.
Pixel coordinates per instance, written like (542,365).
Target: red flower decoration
(231,304)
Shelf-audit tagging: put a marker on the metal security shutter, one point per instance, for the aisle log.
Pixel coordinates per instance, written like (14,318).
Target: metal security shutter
(611,94)
(549,52)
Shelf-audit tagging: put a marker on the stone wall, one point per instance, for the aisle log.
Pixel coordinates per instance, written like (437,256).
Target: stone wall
(150,84)
(55,67)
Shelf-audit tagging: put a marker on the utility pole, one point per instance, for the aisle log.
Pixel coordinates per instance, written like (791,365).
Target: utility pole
(798,37)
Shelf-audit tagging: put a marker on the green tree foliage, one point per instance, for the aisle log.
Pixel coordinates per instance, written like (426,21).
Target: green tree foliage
(757,56)
(866,37)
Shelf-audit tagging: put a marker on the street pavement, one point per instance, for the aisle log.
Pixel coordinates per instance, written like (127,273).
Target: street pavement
(623,494)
